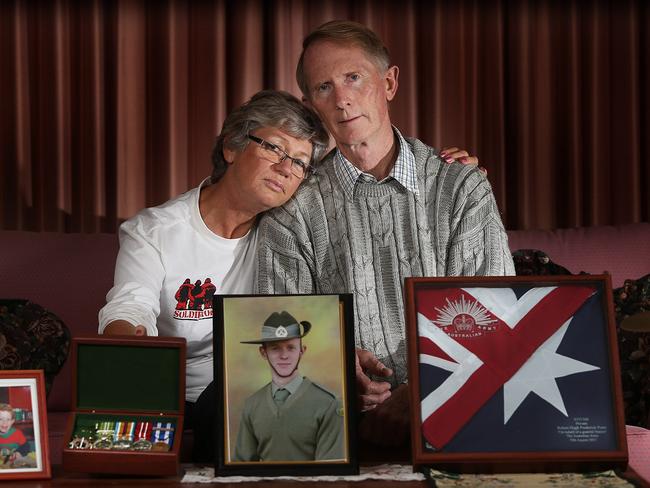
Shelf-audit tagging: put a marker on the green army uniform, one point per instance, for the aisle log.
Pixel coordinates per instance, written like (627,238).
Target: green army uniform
(307,427)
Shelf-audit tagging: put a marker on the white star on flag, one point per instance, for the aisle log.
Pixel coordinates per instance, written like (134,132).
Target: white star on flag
(538,375)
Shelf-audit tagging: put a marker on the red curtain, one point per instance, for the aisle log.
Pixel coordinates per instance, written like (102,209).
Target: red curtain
(108,107)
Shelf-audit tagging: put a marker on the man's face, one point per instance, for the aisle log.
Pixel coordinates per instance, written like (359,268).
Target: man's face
(348,91)
(265,184)
(283,356)
(6,421)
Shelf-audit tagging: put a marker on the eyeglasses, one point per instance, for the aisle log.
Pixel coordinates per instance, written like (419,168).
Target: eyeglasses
(299,168)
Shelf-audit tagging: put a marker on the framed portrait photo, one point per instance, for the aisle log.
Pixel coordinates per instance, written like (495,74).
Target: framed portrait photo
(514,374)
(23,426)
(285,382)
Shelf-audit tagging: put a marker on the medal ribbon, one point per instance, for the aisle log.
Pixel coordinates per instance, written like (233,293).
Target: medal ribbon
(143,430)
(118,431)
(104,427)
(129,430)
(163,432)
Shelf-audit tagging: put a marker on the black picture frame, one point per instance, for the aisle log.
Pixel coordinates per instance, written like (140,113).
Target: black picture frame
(514,374)
(240,372)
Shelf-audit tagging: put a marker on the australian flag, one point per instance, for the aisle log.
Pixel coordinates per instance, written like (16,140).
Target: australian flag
(527,366)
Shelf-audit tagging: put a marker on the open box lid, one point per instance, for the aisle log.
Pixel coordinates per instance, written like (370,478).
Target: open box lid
(129,374)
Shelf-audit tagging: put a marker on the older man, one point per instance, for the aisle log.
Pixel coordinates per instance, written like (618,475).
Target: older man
(381,209)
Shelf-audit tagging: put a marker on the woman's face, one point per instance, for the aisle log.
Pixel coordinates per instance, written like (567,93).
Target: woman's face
(257,173)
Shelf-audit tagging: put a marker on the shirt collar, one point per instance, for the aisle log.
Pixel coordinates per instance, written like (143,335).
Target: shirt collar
(403,171)
(292,386)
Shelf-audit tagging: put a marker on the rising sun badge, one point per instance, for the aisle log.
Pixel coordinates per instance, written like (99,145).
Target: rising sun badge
(464,318)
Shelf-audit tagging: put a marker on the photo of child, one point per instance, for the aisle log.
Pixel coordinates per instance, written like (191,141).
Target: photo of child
(23,426)
(16,441)
(13,444)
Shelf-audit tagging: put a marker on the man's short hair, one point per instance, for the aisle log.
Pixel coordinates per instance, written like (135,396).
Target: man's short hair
(268,108)
(5,407)
(344,32)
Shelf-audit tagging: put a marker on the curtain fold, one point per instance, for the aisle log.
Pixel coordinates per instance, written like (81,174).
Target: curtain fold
(108,107)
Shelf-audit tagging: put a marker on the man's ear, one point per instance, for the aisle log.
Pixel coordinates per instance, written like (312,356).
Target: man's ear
(304,348)
(306,102)
(263,352)
(391,76)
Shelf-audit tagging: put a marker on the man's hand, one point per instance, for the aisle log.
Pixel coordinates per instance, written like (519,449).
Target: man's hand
(451,154)
(122,327)
(388,424)
(371,393)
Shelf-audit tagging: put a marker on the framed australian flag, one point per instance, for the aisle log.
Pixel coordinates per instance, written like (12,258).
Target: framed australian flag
(514,374)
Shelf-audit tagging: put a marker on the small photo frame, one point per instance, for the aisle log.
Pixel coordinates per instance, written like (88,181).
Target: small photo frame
(285,381)
(514,374)
(23,426)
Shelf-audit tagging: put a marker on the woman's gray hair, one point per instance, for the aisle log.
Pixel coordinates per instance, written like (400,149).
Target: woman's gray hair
(268,108)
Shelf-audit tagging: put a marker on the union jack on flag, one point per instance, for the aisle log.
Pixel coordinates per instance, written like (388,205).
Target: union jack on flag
(484,350)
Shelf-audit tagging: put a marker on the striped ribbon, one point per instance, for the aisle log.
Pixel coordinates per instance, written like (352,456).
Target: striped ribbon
(163,432)
(105,429)
(143,430)
(124,430)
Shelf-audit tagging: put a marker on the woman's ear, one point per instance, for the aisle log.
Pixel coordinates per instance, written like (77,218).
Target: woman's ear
(229,154)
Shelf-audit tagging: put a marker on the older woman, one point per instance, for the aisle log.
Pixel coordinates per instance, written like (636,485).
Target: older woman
(174,257)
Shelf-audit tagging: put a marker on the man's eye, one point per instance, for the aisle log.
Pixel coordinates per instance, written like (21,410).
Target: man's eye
(355,76)
(323,87)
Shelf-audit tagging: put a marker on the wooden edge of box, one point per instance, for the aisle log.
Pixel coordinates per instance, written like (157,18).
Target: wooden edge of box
(153,463)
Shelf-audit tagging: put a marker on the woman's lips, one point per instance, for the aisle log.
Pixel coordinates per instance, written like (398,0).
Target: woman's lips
(275,185)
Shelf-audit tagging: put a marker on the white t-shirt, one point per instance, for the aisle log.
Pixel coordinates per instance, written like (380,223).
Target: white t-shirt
(168,267)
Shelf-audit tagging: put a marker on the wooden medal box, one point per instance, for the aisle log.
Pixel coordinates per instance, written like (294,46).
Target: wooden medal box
(129,379)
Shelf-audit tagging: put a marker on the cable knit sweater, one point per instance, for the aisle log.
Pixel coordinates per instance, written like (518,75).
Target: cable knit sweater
(321,241)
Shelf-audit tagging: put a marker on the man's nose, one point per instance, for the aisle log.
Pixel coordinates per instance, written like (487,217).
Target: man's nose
(342,96)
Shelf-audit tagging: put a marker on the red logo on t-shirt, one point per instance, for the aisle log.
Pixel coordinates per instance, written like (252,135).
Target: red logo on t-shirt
(194,300)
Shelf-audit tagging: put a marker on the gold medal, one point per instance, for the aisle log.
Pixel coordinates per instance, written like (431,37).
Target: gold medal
(160,446)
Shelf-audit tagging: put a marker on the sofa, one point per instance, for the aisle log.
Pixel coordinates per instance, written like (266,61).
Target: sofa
(69,274)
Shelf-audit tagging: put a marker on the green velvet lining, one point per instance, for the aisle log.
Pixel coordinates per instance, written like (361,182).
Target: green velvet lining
(128,378)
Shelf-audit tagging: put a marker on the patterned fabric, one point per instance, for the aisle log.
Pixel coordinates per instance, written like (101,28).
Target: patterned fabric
(479,347)
(404,171)
(607,479)
(32,338)
(386,472)
(533,262)
(634,350)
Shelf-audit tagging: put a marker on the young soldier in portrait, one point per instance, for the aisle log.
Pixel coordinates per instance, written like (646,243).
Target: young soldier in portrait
(291,418)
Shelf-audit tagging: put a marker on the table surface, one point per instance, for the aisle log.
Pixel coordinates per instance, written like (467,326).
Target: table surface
(61,478)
